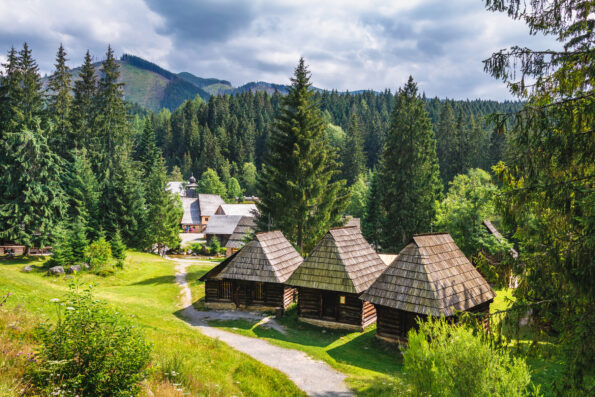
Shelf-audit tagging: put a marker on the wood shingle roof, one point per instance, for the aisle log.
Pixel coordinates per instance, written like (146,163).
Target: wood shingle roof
(430,276)
(269,257)
(343,261)
(245,227)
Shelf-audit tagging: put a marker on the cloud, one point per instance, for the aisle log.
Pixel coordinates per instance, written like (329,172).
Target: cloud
(349,44)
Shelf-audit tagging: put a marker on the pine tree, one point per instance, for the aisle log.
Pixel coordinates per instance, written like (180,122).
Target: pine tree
(62,254)
(118,246)
(31,198)
(176,174)
(354,158)
(147,152)
(164,212)
(374,214)
(82,192)
(78,240)
(409,171)
(295,188)
(9,88)
(446,142)
(29,98)
(59,106)
(84,108)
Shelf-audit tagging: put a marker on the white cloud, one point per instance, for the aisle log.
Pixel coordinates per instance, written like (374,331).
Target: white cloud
(349,44)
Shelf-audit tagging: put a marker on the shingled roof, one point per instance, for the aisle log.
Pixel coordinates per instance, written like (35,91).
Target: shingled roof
(191,211)
(430,276)
(343,261)
(269,257)
(238,209)
(222,224)
(245,227)
(209,203)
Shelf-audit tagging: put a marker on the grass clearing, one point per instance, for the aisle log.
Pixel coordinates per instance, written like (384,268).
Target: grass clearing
(146,291)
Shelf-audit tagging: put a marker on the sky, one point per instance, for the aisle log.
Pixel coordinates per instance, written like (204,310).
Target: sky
(348,44)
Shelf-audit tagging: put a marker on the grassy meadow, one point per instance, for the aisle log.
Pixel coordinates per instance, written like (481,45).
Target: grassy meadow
(184,361)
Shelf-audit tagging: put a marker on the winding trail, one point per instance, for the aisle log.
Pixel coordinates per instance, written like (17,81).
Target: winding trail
(314,377)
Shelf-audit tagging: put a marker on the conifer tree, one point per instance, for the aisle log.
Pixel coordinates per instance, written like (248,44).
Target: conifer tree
(147,152)
(9,87)
(29,104)
(59,106)
(82,192)
(295,188)
(409,171)
(176,174)
(445,145)
(164,211)
(373,216)
(354,158)
(84,108)
(31,198)
(118,246)
(78,240)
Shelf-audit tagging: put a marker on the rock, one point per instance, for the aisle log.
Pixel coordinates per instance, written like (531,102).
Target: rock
(85,266)
(56,270)
(73,269)
(28,269)
(68,277)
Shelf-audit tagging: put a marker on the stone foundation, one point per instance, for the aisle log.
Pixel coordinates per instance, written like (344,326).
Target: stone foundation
(220,305)
(331,324)
(398,341)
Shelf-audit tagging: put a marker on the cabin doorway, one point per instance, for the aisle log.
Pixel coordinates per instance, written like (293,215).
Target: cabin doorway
(329,306)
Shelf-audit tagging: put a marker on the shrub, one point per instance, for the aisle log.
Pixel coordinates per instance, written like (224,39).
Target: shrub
(450,360)
(118,246)
(62,249)
(214,245)
(99,252)
(90,351)
(196,248)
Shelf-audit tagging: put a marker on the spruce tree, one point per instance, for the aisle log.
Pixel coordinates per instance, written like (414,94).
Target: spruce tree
(118,246)
(446,142)
(354,158)
(29,104)
(147,152)
(59,106)
(9,88)
(295,189)
(408,171)
(371,223)
(176,174)
(31,198)
(84,108)
(78,240)
(82,192)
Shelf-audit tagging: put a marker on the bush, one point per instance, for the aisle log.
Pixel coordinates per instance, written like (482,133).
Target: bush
(90,351)
(118,246)
(196,248)
(99,252)
(450,360)
(214,246)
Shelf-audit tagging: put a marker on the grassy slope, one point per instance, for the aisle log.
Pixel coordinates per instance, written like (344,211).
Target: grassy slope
(146,290)
(142,86)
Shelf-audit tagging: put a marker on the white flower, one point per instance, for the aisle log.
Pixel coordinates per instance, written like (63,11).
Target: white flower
(54,300)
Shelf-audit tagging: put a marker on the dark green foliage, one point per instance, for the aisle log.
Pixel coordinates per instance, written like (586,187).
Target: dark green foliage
(84,107)
(28,104)
(177,91)
(353,156)
(9,86)
(147,152)
(99,252)
(31,198)
(295,188)
(547,193)
(210,183)
(59,106)
(214,245)
(408,173)
(359,198)
(374,213)
(90,351)
(78,240)
(118,246)
(62,254)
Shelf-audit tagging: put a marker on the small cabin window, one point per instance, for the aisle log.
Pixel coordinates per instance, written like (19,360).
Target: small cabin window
(342,299)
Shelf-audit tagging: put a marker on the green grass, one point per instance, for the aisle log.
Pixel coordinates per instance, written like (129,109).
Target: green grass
(146,291)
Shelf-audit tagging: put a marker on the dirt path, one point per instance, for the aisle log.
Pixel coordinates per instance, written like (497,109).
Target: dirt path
(314,377)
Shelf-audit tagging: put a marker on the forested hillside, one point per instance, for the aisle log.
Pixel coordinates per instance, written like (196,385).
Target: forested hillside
(230,130)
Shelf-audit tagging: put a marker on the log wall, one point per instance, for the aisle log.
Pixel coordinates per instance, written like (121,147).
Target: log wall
(249,293)
(326,305)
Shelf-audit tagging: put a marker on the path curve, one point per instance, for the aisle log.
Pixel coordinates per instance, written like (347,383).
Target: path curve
(314,377)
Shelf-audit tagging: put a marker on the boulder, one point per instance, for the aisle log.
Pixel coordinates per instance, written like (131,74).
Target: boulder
(73,269)
(85,266)
(28,269)
(56,270)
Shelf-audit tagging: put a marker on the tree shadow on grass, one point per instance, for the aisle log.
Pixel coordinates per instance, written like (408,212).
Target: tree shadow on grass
(190,277)
(22,260)
(367,351)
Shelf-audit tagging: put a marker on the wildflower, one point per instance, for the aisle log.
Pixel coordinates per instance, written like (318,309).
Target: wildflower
(54,300)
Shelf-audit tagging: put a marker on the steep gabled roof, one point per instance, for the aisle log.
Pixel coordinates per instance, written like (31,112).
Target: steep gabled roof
(245,227)
(191,211)
(343,261)
(238,209)
(222,224)
(209,203)
(269,257)
(430,276)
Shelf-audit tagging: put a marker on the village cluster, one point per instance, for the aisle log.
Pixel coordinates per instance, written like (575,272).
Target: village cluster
(343,283)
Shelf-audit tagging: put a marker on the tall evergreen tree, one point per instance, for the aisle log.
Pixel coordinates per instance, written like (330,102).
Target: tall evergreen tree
(84,108)
(372,222)
(29,104)
(9,87)
(59,106)
(295,188)
(147,152)
(354,158)
(445,145)
(409,171)
(31,198)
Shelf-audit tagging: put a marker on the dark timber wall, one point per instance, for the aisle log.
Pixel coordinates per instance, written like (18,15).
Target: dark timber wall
(249,293)
(330,306)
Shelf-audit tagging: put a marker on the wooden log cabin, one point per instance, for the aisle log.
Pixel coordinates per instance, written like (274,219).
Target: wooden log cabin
(332,277)
(430,277)
(254,277)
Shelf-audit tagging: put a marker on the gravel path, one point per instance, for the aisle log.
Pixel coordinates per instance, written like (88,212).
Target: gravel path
(314,377)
